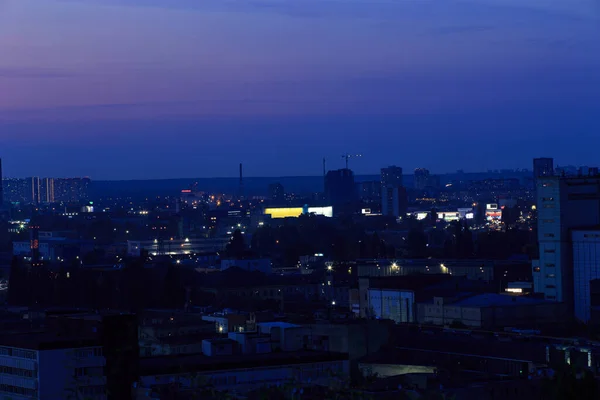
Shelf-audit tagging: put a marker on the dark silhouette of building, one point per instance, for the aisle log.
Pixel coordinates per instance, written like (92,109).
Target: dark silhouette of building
(543,167)
(277,192)
(394,200)
(421,178)
(339,187)
(391,175)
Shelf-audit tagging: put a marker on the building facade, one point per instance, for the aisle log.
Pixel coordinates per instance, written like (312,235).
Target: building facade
(52,372)
(586,267)
(391,175)
(563,203)
(394,304)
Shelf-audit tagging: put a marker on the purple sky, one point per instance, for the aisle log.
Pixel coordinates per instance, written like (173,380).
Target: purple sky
(119,89)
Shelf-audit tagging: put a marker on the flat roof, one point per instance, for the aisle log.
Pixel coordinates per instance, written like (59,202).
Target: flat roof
(493,299)
(166,365)
(47,341)
(278,324)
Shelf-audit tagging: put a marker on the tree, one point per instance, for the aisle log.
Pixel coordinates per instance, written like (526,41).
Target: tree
(417,243)
(15,281)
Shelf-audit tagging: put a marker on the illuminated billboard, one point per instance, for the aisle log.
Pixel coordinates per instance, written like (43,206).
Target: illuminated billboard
(325,211)
(284,212)
(295,212)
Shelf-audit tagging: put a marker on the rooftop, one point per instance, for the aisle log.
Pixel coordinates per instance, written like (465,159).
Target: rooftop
(494,300)
(277,324)
(201,363)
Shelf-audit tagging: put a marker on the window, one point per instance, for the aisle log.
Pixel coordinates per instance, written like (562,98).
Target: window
(548,234)
(550,286)
(536,269)
(549,251)
(550,276)
(547,198)
(550,265)
(548,205)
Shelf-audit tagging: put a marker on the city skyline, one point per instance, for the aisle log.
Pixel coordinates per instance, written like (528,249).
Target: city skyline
(195,88)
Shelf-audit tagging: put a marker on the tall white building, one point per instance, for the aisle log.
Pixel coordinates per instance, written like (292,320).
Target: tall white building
(586,267)
(563,204)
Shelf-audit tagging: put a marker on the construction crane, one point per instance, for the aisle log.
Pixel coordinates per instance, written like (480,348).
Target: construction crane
(348,156)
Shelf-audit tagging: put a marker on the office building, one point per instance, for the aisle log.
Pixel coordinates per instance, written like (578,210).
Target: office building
(586,267)
(564,204)
(391,176)
(339,187)
(394,200)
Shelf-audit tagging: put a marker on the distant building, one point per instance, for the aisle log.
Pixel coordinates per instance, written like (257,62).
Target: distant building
(263,264)
(227,370)
(391,175)
(394,200)
(421,178)
(295,212)
(36,190)
(175,246)
(71,190)
(277,193)
(491,311)
(339,187)
(369,190)
(586,268)
(543,167)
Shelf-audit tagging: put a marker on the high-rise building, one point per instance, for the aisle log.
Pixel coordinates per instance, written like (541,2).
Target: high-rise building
(339,187)
(370,190)
(393,201)
(47,190)
(542,167)
(564,204)
(35,190)
(277,192)
(586,268)
(422,178)
(391,175)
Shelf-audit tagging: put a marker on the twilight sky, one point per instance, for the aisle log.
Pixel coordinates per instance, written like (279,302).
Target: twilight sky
(122,89)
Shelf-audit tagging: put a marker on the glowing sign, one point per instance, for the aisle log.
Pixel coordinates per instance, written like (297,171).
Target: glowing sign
(295,212)
(285,212)
(325,211)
